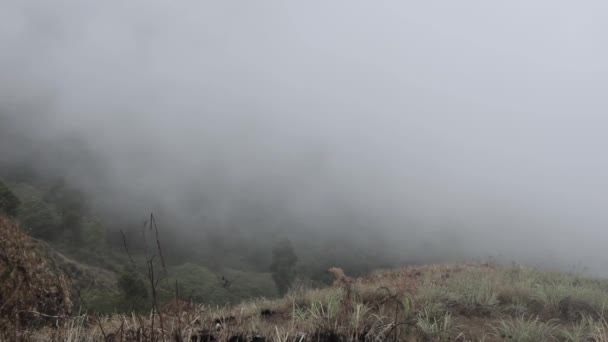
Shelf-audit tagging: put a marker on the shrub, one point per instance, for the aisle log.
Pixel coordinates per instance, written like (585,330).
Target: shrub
(9,203)
(134,291)
(40,219)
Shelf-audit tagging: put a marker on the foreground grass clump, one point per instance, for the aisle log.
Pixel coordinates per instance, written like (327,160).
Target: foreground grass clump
(524,329)
(435,326)
(476,302)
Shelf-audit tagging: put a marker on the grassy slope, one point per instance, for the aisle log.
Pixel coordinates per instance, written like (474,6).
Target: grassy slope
(94,267)
(432,303)
(99,293)
(440,302)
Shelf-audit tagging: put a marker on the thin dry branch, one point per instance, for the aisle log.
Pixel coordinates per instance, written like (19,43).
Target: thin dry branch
(124,243)
(160,250)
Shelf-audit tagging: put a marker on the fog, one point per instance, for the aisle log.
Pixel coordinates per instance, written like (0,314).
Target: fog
(455,130)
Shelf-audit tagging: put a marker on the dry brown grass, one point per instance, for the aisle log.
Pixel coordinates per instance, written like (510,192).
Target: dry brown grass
(460,302)
(32,290)
(383,306)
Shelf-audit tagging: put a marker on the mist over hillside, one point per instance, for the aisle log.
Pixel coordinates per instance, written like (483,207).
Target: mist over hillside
(398,132)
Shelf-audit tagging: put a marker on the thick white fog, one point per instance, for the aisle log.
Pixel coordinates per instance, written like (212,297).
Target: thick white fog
(476,127)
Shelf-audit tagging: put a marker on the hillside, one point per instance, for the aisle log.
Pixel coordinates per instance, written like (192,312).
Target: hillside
(70,234)
(68,283)
(462,302)
(32,289)
(55,296)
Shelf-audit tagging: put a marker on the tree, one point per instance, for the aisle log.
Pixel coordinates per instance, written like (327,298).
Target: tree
(9,203)
(283,265)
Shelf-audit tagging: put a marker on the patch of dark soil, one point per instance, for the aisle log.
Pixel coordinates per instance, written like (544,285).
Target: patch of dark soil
(475,328)
(574,309)
(513,295)
(267,313)
(537,308)
(472,311)
(328,337)
(203,335)
(238,338)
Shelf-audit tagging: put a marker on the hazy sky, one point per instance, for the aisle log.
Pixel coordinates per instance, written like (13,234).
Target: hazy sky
(483,120)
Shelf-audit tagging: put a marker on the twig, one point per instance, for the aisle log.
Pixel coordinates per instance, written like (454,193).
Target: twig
(122,324)
(153,286)
(103,332)
(160,251)
(179,318)
(39,314)
(124,242)
(78,292)
(395,325)
(17,327)
(154,297)
(143,236)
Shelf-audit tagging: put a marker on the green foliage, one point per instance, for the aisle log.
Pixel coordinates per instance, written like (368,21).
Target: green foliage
(283,265)
(38,217)
(201,285)
(40,220)
(9,203)
(194,282)
(102,301)
(72,206)
(133,290)
(92,233)
(58,213)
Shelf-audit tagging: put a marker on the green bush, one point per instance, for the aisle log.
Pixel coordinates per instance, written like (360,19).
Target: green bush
(195,282)
(134,292)
(40,219)
(9,203)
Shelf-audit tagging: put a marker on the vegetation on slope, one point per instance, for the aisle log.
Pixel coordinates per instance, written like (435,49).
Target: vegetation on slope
(477,302)
(91,250)
(191,297)
(102,275)
(9,203)
(31,287)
